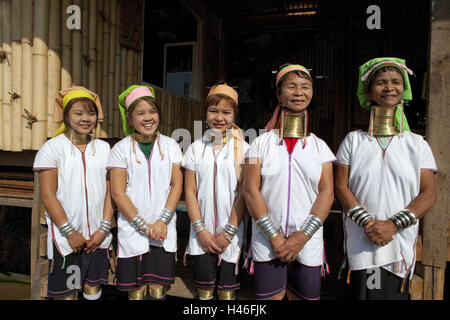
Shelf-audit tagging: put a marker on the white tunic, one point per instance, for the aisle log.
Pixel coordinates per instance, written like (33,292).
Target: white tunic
(148,187)
(290,186)
(217,188)
(384,183)
(81,187)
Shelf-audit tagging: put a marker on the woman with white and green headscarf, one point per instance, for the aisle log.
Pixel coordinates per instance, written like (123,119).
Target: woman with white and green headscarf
(385,184)
(146,185)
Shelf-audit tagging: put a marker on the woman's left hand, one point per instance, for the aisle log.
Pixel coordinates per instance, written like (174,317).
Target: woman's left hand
(96,240)
(289,250)
(222,242)
(381,232)
(159,231)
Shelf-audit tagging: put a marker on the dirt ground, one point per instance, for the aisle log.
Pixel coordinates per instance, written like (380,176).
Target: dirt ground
(14,291)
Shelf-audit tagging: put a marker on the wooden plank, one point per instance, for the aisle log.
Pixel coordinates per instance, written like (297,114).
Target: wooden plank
(448,244)
(436,222)
(43,245)
(35,266)
(16,202)
(416,288)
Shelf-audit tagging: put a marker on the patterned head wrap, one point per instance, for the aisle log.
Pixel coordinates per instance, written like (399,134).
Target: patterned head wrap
(366,72)
(127,98)
(273,122)
(235,133)
(63,98)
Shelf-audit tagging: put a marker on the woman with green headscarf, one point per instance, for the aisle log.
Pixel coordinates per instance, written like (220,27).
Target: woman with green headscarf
(146,185)
(385,184)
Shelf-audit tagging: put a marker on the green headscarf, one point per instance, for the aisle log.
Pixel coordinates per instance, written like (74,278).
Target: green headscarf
(368,69)
(123,107)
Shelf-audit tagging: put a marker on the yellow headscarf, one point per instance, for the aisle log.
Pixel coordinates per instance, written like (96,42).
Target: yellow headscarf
(64,97)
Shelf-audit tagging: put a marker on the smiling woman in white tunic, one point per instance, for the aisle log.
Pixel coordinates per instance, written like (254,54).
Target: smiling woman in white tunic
(75,193)
(385,182)
(288,188)
(146,185)
(214,197)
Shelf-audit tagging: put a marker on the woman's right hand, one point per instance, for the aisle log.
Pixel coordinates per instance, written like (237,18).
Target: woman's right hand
(76,241)
(277,241)
(208,242)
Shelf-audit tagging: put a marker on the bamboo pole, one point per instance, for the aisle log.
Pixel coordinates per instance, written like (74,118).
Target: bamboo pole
(1,76)
(139,67)
(40,71)
(77,47)
(27,71)
(85,44)
(112,59)
(106,59)
(130,61)
(92,44)
(16,77)
(66,46)
(123,75)
(118,68)
(99,45)
(6,73)
(54,62)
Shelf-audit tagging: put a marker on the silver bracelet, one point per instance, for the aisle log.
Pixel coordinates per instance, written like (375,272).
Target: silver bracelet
(105,226)
(267,227)
(166,215)
(230,229)
(197,223)
(201,229)
(359,215)
(311,225)
(66,229)
(404,219)
(138,222)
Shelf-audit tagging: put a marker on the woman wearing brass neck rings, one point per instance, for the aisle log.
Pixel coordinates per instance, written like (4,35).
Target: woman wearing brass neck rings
(75,193)
(146,185)
(288,188)
(385,183)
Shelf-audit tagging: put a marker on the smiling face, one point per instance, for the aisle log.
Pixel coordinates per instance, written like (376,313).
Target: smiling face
(386,88)
(295,92)
(220,116)
(143,116)
(81,116)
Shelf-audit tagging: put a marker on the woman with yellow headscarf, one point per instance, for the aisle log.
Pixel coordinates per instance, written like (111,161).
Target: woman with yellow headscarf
(75,193)
(385,183)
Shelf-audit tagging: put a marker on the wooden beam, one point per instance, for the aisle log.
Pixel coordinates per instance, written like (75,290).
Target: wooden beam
(436,222)
(35,263)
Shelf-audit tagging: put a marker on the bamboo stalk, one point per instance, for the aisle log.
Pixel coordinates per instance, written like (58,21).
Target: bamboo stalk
(139,67)
(118,68)
(1,77)
(76,52)
(112,60)
(92,44)
(16,76)
(85,44)
(130,61)
(6,73)
(99,46)
(40,71)
(27,71)
(106,58)
(54,62)
(123,75)
(66,46)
